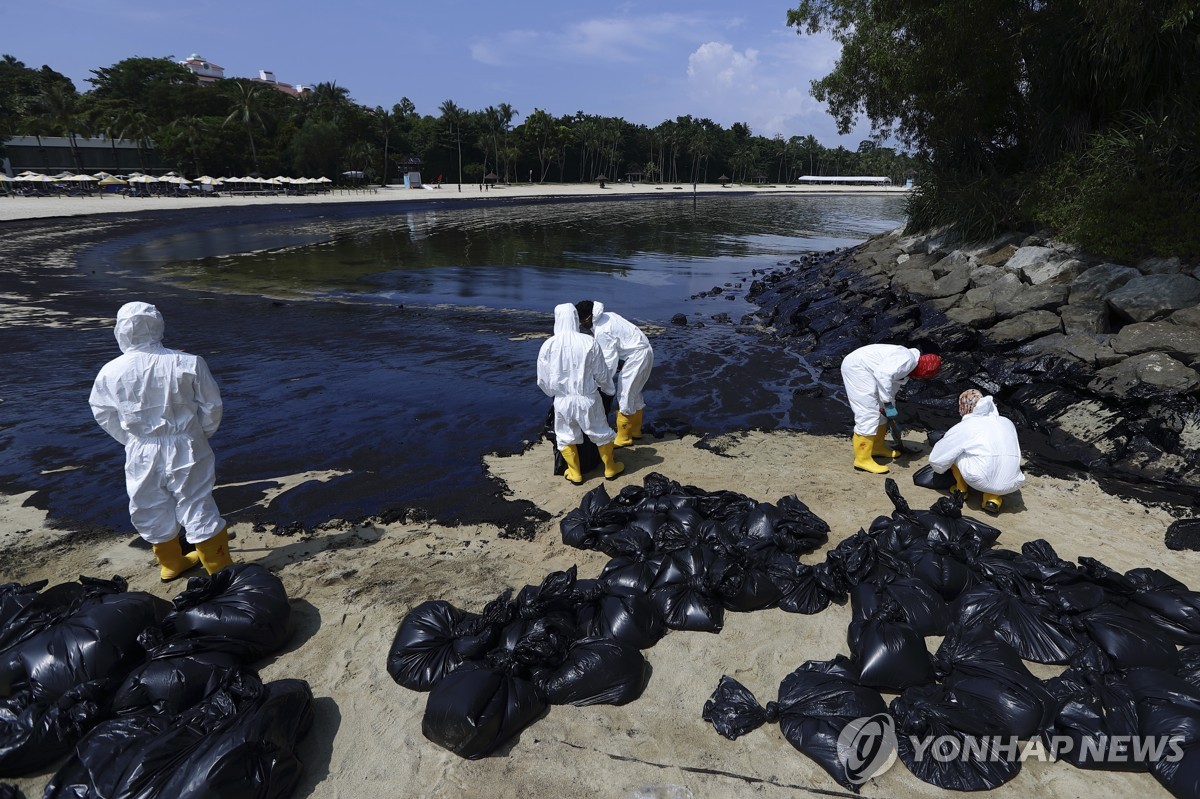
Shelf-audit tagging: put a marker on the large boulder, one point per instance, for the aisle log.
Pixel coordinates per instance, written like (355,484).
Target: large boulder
(924,283)
(1160,266)
(1086,317)
(1148,375)
(1088,349)
(1095,283)
(1151,297)
(1181,343)
(1188,317)
(1054,271)
(1023,327)
(1027,257)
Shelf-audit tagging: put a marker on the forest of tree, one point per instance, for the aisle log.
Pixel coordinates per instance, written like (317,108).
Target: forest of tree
(238,126)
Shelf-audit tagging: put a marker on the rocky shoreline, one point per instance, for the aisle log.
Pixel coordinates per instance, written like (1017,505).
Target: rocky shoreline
(1095,362)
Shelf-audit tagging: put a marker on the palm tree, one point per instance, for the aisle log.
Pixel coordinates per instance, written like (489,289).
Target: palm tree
(330,100)
(454,116)
(193,131)
(387,123)
(507,112)
(60,109)
(246,106)
(136,125)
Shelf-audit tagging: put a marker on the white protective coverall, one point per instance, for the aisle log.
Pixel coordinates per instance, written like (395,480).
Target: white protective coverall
(985,448)
(873,375)
(571,369)
(622,340)
(162,405)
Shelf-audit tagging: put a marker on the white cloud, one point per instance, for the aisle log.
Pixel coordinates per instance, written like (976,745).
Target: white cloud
(718,68)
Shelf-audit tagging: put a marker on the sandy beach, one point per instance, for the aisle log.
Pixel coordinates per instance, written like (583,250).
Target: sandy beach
(14,207)
(352,583)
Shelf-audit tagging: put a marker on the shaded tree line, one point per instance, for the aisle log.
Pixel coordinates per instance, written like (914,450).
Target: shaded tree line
(1079,115)
(238,126)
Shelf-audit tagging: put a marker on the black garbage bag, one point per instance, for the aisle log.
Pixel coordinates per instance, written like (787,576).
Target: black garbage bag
(435,638)
(1169,709)
(943,566)
(26,610)
(477,708)
(815,704)
(789,525)
(1095,710)
(97,640)
(805,589)
(636,573)
(987,673)
(1029,626)
(968,757)
(173,684)
(1189,664)
(1168,603)
(35,732)
(614,611)
(926,477)
(238,744)
(753,583)
(243,610)
(1126,638)
(686,591)
(595,671)
(10,791)
(945,522)
(923,607)
(850,562)
(582,527)
(888,653)
(1042,569)
(1183,534)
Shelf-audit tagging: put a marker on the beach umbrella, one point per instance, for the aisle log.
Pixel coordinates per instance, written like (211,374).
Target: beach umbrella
(78,179)
(112,181)
(322,179)
(5,178)
(101,175)
(34,177)
(142,179)
(206,180)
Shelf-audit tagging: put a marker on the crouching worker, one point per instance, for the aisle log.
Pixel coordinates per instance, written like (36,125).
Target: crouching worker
(981,451)
(162,405)
(624,345)
(571,369)
(873,375)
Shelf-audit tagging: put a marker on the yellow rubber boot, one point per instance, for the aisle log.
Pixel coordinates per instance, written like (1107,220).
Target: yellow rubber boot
(214,553)
(612,466)
(960,485)
(878,447)
(991,503)
(862,456)
(570,454)
(172,561)
(624,430)
(637,424)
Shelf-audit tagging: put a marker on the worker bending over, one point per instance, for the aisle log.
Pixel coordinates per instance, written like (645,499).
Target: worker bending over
(873,375)
(981,451)
(571,369)
(624,344)
(162,405)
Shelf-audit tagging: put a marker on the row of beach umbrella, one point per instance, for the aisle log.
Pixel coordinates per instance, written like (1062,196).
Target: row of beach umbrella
(106,179)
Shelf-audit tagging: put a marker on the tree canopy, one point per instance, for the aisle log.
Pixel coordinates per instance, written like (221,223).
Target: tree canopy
(1080,114)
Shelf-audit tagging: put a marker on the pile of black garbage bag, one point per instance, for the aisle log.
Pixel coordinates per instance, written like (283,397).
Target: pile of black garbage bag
(682,557)
(147,697)
(1130,644)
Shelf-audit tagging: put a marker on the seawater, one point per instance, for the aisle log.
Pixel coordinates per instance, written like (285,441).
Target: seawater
(396,345)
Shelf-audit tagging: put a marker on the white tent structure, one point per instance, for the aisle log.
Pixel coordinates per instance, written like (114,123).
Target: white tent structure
(861,180)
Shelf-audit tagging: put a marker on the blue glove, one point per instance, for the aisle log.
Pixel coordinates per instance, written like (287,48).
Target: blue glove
(890,411)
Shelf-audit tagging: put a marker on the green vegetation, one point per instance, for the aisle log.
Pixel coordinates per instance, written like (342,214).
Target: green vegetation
(238,126)
(1081,115)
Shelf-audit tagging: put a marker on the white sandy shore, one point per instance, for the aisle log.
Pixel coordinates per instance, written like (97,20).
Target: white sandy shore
(351,585)
(12,208)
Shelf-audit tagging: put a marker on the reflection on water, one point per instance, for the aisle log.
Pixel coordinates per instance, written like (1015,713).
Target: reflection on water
(400,348)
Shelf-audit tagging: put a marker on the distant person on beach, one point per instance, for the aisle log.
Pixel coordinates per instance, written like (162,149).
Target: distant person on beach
(163,405)
(629,358)
(873,375)
(571,369)
(981,451)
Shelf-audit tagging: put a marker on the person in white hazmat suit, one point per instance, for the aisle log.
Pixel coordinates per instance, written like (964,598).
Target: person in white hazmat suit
(981,451)
(624,345)
(873,375)
(162,405)
(571,369)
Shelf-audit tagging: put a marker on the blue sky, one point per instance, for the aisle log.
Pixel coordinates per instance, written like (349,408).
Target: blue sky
(646,62)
